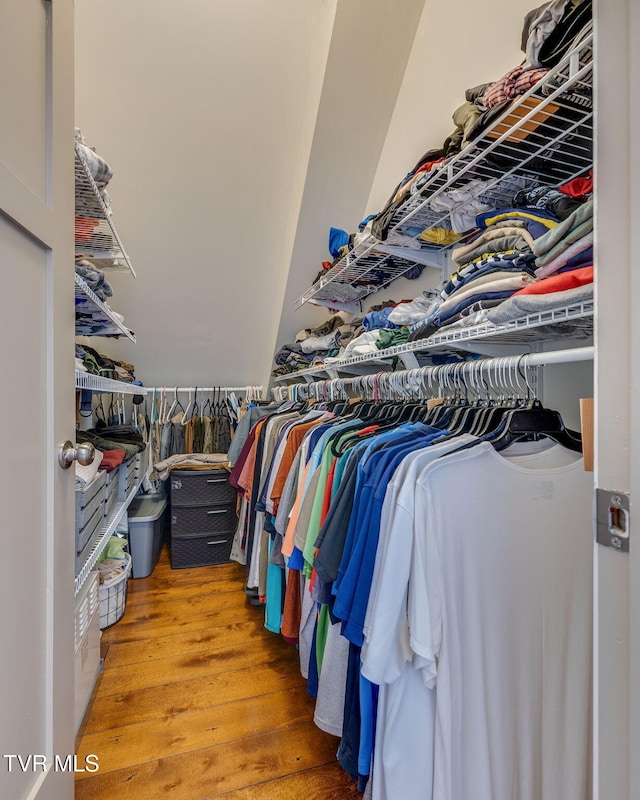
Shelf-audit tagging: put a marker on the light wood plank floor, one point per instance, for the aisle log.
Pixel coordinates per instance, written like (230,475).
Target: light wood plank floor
(198,700)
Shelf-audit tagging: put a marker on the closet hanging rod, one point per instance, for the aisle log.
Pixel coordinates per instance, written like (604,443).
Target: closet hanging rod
(526,360)
(184,389)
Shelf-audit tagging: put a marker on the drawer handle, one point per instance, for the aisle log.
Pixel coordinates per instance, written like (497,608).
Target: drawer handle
(218,541)
(219,480)
(221,511)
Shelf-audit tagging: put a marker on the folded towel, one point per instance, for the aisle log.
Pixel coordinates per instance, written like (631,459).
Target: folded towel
(84,475)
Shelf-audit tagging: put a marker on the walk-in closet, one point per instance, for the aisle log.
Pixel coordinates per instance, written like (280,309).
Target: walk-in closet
(320,466)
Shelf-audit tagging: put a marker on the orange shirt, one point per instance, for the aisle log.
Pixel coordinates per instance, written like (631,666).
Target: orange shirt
(294,440)
(246,476)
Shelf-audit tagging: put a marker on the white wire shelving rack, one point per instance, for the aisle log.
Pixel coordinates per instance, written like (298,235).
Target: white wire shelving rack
(570,321)
(105,534)
(96,235)
(96,383)
(544,138)
(87,300)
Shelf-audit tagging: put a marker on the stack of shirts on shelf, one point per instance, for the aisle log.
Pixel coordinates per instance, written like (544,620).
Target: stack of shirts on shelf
(313,346)
(89,360)
(94,278)
(564,269)
(335,339)
(121,438)
(107,462)
(380,331)
(504,272)
(91,320)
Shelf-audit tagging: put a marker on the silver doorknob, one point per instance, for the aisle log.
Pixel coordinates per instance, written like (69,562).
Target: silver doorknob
(84,454)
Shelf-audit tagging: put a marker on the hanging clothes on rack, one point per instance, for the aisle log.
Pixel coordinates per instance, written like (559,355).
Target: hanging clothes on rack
(433,564)
(202,427)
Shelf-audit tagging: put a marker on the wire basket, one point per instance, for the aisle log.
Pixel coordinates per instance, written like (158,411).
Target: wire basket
(112,595)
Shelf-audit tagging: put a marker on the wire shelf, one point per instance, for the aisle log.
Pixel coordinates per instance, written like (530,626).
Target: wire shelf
(360,273)
(87,300)
(96,236)
(105,534)
(571,321)
(543,138)
(95,383)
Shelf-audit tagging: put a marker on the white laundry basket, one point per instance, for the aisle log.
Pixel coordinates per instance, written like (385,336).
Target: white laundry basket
(112,595)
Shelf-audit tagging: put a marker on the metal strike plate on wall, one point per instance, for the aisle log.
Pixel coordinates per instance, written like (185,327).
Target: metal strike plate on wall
(612,519)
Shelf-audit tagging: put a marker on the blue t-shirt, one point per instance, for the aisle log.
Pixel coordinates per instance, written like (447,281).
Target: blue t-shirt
(352,593)
(365,466)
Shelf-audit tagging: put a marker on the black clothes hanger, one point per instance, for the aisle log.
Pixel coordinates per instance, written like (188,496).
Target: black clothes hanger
(410,412)
(339,407)
(101,417)
(533,423)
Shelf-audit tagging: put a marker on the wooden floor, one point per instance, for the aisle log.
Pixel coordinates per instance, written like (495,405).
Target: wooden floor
(198,700)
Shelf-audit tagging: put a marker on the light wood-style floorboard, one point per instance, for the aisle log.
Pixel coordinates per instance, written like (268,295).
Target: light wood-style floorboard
(199,701)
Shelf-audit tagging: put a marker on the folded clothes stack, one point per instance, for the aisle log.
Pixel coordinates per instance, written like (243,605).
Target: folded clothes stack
(314,344)
(90,319)
(102,365)
(511,257)
(94,278)
(491,266)
(92,322)
(85,474)
(98,167)
(105,439)
(335,339)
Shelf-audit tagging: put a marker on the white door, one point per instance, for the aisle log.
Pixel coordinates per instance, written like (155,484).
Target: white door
(36,399)
(617,392)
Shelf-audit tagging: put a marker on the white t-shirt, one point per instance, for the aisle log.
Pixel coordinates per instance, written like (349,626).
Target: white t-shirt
(386,646)
(499,614)
(403,762)
(329,711)
(404,742)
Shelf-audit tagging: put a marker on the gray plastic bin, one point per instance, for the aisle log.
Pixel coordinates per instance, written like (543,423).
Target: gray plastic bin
(146,522)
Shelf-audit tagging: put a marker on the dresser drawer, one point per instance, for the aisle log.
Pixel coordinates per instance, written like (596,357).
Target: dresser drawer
(89,499)
(191,520)
(93,524)
(201,488)
(201,551)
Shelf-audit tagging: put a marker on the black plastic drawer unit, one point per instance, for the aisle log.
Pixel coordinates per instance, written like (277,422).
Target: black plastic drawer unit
(201,551)
(192,520)
(201,488)
(203,518)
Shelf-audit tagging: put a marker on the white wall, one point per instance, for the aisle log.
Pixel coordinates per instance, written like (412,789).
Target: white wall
(206,110)
(564,384)
(369,51)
